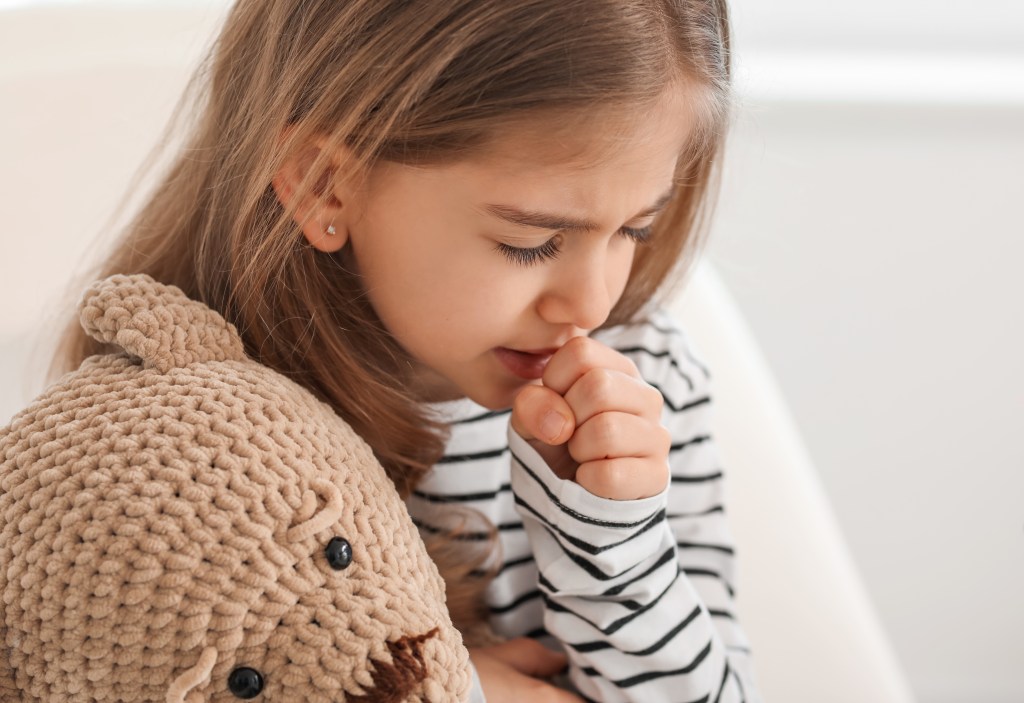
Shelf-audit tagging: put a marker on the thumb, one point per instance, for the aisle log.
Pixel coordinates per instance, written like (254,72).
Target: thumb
(539,413)
(529,657)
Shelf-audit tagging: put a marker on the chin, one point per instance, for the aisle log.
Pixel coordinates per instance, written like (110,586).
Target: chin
(490,399)
(496,396)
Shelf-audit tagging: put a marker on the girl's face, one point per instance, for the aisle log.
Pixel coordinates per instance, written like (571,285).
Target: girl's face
(464,261)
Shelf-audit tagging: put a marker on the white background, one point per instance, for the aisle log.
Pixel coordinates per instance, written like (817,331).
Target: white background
(960,26)
(871,231)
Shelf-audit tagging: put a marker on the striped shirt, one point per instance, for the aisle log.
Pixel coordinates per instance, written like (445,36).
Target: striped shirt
(638,593)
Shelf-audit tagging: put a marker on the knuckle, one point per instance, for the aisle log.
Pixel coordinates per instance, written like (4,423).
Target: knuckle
(632,479)
(527,399)
(598,385)
(607,478)
(649,400)
(634,370)
(577,343)
(583,351)
(606,430)
(654,396)
(596,439)
(618,479)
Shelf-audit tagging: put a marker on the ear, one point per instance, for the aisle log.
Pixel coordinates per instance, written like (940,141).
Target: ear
(325,209)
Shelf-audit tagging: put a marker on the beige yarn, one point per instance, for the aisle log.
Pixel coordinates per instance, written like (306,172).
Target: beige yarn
(164,513)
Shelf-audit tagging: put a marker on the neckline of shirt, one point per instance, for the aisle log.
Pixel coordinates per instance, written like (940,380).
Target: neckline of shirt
(450,411)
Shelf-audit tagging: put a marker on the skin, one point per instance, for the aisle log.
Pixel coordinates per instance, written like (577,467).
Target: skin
(425,244)
(515,670)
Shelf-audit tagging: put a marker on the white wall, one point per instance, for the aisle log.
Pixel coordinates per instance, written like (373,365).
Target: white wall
(59,127)
(871,232)
(952,26)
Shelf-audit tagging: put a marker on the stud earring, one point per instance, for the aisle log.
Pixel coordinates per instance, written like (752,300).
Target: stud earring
(331,231)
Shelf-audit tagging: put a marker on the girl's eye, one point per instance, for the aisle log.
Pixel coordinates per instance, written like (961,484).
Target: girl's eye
(526,256)
(639,235)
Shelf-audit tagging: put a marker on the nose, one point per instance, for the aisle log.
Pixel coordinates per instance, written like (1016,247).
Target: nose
(582,292)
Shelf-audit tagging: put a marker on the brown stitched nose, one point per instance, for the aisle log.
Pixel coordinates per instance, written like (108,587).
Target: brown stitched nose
(395,682)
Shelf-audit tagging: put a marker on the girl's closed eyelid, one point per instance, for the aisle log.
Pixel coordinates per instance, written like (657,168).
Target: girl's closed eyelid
(638,234)
(550,249)
(526,256)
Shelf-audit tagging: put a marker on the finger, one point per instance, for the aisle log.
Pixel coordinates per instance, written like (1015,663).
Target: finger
(614,435)
(541,413)
(529,657)
(604,390)
(579,355)
(628,478)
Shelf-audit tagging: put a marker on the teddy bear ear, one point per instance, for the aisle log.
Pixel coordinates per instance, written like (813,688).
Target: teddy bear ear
(322,506)
(181,689)
(157,323)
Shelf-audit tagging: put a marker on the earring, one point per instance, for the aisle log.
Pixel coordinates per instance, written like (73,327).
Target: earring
(331,231)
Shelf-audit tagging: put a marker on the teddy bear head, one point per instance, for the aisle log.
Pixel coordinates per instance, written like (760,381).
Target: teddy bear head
(179,523)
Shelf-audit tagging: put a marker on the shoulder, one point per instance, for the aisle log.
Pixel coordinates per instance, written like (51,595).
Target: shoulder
(663,353)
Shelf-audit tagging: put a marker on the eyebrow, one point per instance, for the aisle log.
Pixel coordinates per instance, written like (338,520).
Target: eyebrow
(542,220)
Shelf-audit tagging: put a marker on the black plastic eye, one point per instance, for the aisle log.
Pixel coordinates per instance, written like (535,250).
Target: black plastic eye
(245,682)
(339,553)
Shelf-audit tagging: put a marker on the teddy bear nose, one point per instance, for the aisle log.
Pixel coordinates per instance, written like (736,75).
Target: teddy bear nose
(245,682)
(339,553)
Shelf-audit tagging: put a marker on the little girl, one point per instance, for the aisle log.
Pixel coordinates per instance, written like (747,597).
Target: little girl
(452,221)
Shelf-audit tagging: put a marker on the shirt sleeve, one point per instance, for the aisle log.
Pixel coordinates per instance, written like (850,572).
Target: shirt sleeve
(640,593)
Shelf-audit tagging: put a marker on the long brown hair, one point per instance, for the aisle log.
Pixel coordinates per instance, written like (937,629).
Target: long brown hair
(420,82)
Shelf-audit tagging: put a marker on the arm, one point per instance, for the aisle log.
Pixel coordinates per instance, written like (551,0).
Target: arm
(696,500)
(628,603)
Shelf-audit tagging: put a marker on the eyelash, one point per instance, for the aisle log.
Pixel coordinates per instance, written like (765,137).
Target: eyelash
(550,249)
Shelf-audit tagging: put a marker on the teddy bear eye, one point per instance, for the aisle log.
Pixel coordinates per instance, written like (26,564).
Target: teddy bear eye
(245,682)
(339,553)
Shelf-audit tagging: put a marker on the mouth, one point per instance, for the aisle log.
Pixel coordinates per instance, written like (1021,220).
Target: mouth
(527,365)
(395,682)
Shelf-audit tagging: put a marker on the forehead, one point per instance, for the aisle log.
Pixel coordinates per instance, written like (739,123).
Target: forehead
(586,139)
(569,156)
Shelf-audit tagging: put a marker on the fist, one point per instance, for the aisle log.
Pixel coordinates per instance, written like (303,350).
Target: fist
(595,421)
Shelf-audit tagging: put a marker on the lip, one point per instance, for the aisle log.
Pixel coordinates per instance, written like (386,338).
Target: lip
(527,365)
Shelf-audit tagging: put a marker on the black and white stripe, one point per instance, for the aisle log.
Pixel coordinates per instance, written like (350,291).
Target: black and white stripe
(639,593)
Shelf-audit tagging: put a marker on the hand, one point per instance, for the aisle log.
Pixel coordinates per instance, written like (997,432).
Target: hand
(595,421)
(512,672)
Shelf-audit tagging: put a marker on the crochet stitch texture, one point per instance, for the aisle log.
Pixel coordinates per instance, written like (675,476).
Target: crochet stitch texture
(165,516)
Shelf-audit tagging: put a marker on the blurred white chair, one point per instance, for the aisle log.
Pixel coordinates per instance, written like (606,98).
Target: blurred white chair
(814,632)
(87,87)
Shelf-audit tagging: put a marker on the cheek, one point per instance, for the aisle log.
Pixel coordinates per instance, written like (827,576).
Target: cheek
(475,296)
(442,290)
(621,264)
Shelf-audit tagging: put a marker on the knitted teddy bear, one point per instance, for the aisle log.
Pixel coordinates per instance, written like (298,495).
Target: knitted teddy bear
(179,523)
